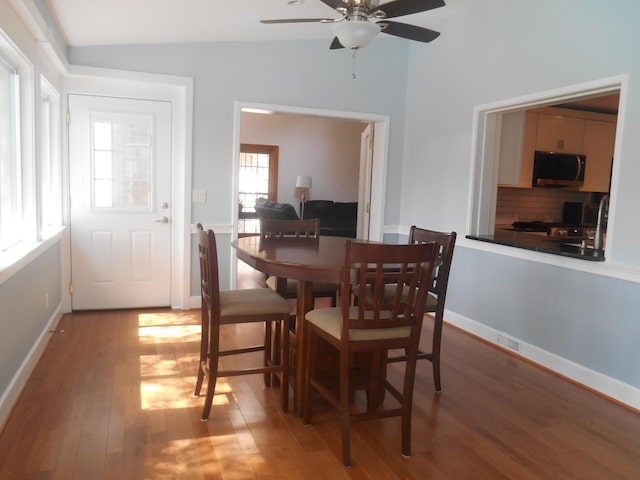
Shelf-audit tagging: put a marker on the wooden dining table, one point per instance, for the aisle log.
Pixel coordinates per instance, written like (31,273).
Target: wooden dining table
(306,260)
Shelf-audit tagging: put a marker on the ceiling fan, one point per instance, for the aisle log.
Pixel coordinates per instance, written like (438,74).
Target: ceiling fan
(358,26)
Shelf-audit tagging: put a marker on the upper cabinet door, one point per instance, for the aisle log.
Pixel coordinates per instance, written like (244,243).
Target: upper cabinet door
(599,141)
(559,134)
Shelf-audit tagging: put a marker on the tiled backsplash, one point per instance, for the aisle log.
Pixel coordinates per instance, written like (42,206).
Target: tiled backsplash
(529,204)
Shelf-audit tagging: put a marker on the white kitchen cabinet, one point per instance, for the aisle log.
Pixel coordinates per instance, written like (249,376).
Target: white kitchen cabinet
(516,161)
(598,146)
(556,133)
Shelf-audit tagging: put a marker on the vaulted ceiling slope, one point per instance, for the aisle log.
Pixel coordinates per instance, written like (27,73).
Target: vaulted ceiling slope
(123,22)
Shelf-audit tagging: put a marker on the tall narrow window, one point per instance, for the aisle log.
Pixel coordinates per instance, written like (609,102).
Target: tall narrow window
(50,188)
(10,192)
(258,178)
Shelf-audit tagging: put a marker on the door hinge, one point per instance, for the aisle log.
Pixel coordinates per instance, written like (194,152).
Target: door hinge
(68,117)
(368,208)
(71,288)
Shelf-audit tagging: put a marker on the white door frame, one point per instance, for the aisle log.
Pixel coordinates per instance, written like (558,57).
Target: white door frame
(179,92)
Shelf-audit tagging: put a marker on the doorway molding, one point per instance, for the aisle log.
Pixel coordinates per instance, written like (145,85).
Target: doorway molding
(179,92)
(379,158)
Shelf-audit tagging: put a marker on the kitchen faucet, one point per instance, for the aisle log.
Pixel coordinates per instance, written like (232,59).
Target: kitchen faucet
(603,214)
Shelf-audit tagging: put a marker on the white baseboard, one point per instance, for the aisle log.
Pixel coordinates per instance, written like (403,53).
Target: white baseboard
(19,380)
(611,387)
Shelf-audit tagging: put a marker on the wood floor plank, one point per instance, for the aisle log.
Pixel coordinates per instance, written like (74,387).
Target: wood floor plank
(112,398)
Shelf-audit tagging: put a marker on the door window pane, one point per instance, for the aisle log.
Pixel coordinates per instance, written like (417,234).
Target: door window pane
(122,161)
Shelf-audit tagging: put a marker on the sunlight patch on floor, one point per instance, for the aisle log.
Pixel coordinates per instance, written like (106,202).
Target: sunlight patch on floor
(169,334)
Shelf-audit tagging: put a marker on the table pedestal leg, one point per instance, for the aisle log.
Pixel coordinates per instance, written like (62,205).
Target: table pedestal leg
(304,304)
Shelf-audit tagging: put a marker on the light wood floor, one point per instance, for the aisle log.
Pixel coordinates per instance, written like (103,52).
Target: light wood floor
(112,398)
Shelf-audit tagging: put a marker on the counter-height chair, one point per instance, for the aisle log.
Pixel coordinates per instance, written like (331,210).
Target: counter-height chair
(287,287)
(370,329)
(437,293)
(234,307)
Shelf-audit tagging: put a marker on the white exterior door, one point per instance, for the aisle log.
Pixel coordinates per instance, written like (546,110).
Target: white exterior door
(120,183)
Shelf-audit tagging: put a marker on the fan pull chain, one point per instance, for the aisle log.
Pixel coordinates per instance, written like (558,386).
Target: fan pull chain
(353,57)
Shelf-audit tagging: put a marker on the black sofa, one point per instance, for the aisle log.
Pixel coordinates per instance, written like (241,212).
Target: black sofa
(337,219)
(275,210)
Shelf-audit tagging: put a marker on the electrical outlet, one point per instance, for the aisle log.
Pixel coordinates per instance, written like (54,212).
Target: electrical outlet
(508,342)
(199,196)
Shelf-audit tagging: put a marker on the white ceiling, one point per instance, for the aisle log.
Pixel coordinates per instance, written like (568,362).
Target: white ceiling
(114,22)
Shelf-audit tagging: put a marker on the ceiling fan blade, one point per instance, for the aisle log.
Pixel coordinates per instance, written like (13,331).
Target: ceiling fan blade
(335,3)
(336,44)
(411,32)
(398,8)
(298,20)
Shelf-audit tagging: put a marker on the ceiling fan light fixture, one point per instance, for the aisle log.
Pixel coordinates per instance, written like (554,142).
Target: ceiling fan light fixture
(355,34)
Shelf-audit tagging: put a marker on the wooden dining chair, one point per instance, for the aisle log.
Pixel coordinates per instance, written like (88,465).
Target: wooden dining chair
(233,307)
(437,294)
(288,288)
(372,327)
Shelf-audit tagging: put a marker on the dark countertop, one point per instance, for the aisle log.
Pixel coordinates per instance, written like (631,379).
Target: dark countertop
(540,243)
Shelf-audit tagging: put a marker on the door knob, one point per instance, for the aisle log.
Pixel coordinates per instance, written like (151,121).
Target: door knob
(163,220)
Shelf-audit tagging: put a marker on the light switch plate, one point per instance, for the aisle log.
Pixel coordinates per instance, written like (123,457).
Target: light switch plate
(199,196)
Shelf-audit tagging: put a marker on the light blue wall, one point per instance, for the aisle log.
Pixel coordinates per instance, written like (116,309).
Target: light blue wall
(23,311)
(500,49)
(301,74)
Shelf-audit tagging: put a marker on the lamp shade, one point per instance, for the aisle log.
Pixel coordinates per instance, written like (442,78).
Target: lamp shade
(355,34)
(303,181)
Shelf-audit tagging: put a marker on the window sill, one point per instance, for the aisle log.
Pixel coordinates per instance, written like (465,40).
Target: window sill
(16,257)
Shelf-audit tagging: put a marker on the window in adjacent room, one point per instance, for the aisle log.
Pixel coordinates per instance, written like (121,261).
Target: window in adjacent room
(257,178)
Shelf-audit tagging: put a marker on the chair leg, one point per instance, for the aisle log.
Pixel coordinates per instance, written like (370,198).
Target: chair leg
(212,376)
(344,408)
(284,364)
(268,359)
(437,340)
(204,344)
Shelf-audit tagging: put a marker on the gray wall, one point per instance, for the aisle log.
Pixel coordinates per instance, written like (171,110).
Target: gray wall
(23,314)
(496,50)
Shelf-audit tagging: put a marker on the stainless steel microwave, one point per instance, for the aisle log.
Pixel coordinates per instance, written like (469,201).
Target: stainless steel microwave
(558,169)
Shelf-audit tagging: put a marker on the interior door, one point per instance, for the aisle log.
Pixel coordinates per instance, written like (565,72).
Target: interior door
(364,189)
(120,183)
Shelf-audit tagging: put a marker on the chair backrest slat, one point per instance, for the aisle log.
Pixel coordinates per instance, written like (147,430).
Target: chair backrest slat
(270,228)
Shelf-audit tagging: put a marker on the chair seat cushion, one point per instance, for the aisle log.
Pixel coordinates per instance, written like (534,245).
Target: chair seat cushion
(253,301)
(330,320)
(292,286)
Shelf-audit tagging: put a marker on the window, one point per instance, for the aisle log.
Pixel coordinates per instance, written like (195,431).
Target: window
(10,207)
(122,161)
(50,187)
(258,178)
